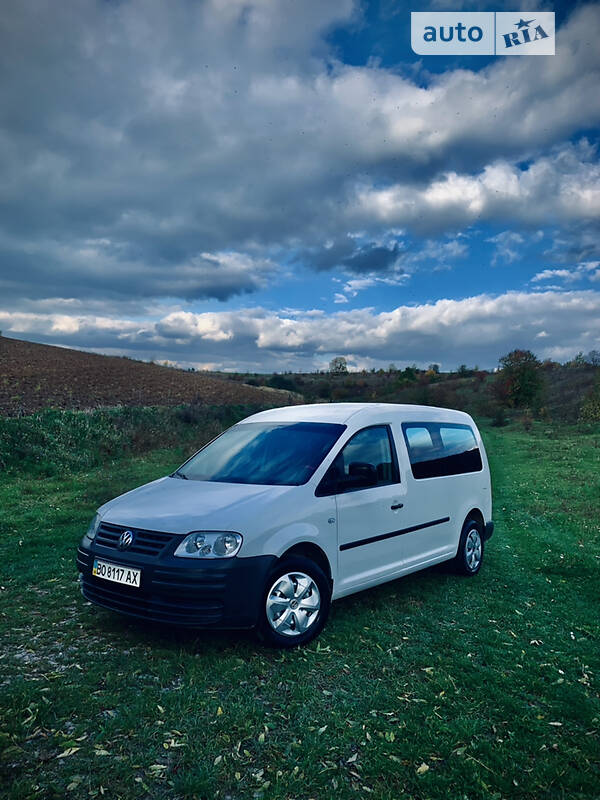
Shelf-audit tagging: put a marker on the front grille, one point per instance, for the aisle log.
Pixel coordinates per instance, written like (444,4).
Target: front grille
(147,543)
(152,607)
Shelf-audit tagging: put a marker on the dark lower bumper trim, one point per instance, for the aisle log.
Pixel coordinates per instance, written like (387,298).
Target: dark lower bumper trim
(200,614)
(223,593)
(489,529)
(382,536)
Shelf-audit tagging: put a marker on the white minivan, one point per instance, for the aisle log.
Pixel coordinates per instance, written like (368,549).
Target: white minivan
(290,509)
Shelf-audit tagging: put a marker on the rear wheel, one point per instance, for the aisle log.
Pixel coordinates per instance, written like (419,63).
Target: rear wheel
(295,603)
(470,548)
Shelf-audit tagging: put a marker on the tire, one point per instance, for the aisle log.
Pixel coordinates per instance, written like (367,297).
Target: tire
(469,556)
(295,603)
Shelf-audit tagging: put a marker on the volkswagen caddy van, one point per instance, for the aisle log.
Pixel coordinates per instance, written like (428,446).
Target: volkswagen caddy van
(290,509)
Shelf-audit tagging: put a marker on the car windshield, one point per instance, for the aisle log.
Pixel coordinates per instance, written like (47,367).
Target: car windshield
(276,454)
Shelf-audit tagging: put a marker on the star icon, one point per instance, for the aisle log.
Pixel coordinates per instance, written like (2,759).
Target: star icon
(524,23)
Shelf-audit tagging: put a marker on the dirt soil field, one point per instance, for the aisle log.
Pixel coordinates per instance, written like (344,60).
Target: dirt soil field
(36,376)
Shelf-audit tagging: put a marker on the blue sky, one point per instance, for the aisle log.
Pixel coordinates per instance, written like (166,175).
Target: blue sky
(263,185)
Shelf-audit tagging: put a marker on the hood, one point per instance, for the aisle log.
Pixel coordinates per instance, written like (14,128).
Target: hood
(179,506)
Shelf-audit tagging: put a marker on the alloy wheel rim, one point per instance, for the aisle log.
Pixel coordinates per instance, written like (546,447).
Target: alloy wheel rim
(293,604)
(473,549)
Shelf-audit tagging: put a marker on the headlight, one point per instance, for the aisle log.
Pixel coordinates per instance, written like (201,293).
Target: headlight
(209,544)
(94,525)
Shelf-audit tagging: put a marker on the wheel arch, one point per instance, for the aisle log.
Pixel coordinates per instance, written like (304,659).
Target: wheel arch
(314,553)
(476,514)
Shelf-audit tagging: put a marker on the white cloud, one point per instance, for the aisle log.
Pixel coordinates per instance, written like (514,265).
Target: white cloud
(439,253)
(562,186)
(587,269)
(507,246)
(474,330)
(551,274)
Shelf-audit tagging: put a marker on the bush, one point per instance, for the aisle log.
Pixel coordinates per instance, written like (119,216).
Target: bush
(499,420)
(590,410)
(54,441)
(527,421)
(281,382)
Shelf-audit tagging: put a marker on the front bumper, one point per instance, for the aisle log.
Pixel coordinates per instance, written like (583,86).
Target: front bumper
(489,529)
(217,593)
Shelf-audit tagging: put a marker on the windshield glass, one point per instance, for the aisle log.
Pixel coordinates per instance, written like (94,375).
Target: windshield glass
(278,454)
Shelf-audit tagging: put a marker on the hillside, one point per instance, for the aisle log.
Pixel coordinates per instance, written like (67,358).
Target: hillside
(35,376)
(565,388)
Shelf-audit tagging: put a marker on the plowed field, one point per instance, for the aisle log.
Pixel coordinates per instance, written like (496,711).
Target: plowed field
(35,376)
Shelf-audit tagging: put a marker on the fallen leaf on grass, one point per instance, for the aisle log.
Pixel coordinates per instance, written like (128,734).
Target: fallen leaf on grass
(68,752)
(423,769)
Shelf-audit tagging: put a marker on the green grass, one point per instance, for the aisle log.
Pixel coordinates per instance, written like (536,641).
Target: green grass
(433,686)
(54,440)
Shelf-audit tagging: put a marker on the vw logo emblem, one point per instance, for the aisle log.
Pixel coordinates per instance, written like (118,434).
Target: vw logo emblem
(125,540)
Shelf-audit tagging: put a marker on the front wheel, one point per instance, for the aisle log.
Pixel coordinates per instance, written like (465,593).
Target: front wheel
(470,548)
(295,603)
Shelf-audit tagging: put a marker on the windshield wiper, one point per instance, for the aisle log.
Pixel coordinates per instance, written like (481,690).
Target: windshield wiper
(179,475)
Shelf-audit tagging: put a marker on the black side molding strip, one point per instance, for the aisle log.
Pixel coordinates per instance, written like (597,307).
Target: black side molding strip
(371,539)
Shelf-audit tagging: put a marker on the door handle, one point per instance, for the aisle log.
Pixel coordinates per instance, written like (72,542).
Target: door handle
(396,506)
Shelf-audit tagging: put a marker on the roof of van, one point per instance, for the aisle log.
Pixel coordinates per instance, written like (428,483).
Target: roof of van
(359,413)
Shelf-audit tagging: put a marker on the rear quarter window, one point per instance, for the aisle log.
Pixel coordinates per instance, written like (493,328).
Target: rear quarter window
(436,449)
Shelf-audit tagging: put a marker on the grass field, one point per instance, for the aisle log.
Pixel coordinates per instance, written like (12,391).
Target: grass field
(433,686)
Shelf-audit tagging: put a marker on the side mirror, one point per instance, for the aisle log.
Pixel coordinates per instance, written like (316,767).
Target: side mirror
(330,482)
(360,476)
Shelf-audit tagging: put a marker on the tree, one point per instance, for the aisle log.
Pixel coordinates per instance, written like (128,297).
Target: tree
(521,379)
(434,368)
(338,365)
(593,357)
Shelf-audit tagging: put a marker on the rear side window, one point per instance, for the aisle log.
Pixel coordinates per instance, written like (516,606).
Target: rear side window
(436,449)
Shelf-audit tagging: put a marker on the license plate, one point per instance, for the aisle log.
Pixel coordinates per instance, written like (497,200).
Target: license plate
(117,574)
